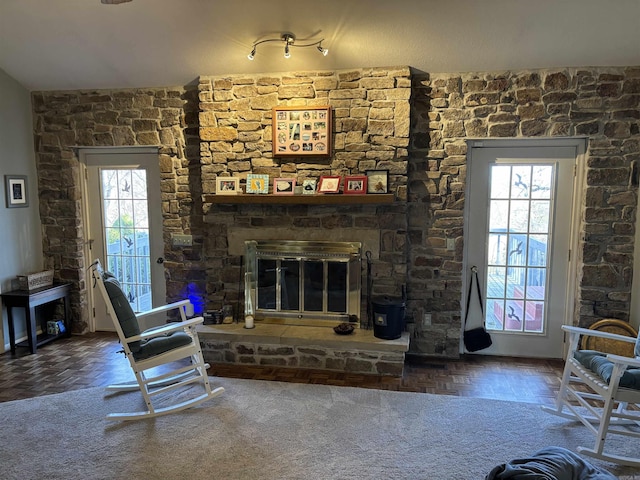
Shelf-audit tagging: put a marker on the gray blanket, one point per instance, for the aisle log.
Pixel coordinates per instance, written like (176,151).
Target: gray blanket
(551,463)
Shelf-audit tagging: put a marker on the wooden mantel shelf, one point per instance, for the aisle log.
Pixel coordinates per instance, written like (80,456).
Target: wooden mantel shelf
(321,199)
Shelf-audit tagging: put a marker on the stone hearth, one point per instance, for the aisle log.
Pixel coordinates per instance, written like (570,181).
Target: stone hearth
(303,347)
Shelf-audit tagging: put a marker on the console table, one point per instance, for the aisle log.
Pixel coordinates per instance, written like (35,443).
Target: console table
(29,300)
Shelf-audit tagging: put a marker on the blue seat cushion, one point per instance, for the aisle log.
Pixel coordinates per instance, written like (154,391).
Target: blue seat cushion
(129,323)
(598,363)
(157,345)
(126,317)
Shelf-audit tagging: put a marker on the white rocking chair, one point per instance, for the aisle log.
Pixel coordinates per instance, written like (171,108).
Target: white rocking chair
(601,390)
(174,347)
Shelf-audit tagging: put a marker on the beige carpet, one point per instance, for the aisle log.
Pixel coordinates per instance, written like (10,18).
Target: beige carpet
(272,430)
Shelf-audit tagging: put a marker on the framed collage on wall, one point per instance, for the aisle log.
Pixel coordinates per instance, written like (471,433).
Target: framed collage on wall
(301,131)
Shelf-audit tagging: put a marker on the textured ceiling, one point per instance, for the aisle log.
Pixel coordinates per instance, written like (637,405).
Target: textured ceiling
(78,44)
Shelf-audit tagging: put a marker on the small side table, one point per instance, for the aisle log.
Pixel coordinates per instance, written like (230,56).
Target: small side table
(29,300)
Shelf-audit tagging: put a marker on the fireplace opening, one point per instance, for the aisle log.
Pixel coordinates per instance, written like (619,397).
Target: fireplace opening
(303,282)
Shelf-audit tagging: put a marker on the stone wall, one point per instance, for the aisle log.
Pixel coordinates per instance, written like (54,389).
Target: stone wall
(428,170)
(64,120)
(371,121)
(599,103)
(317,357)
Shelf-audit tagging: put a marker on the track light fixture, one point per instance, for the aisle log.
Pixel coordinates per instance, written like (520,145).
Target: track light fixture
(323,51)
(289,42)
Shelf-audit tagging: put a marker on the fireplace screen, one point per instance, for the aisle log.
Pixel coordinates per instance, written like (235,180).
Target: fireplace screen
(298,282)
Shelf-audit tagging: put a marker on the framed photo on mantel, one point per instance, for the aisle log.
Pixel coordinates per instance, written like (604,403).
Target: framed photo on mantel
(301,131)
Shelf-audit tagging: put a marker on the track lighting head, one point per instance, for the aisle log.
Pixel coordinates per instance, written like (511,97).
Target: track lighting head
(289,42)
(288,39)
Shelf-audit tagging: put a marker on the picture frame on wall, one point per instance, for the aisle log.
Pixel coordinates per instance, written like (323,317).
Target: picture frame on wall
(377,181)
(16,191)
(301,131)
(227,185)
(284,186)
(257,183)
(329,184)
(355,185)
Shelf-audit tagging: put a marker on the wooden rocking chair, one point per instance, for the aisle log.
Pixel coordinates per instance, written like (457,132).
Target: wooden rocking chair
(167,361)
(601,390)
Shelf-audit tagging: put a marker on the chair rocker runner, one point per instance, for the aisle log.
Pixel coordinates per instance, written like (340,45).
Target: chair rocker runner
(174,347)
(601,390)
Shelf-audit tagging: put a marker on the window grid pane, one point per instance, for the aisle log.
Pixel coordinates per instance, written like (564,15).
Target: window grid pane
(126,230)
(518,247)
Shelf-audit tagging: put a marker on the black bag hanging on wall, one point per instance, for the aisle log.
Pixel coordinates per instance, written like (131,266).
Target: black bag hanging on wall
(476,338)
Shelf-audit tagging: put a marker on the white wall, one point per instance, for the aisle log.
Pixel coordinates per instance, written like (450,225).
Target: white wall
(20,231)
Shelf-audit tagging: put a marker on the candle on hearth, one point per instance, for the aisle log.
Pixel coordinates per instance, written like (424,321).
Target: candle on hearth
(248,321)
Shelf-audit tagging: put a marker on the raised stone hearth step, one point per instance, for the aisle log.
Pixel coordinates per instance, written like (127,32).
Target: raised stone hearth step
(303,347)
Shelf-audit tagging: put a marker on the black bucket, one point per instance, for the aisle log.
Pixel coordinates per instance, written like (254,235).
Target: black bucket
(388,317)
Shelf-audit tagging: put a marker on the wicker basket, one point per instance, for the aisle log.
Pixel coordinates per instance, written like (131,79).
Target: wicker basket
(32,281)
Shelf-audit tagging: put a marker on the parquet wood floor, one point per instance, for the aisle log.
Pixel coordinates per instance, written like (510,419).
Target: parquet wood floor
(92,360)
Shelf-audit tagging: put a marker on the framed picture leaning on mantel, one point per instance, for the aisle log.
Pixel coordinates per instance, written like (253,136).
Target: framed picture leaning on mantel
(329,184)
(377,181)
(227,185)
(355,185)
(257,183)
(301,131)
(284,186)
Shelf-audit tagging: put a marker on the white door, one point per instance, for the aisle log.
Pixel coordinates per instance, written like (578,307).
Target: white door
(125,226)
(518,233)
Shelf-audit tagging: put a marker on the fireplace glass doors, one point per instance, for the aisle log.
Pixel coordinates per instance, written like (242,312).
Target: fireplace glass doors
(303,283)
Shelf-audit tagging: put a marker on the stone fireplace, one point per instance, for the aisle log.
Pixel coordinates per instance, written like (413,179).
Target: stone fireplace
(303,282)
(370,119)
(370,131)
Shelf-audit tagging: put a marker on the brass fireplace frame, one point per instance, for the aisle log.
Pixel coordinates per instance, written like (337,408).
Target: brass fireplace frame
(345,256)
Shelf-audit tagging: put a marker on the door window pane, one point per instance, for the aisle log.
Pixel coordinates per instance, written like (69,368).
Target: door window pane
(540,216)
(542,180)
(500,178)
(518,247)
(521,182)
(499,219)
(126,231)
(498,248)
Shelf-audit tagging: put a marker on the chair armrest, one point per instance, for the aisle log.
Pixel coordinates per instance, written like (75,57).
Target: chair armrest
(627,361)
(598,333)
(163,308)
(165,329)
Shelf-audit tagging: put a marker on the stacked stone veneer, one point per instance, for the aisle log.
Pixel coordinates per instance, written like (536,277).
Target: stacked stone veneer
(307,356)
(602,104)
(371,124)
(132,117)
(223,127)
